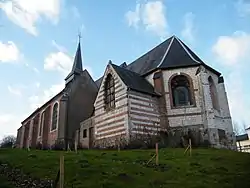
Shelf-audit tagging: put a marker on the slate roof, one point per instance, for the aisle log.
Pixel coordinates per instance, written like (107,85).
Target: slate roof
(134,81)
(242,137)
(77,65)
(172,53)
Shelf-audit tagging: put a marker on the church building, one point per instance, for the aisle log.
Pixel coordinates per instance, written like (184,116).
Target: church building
(167,87)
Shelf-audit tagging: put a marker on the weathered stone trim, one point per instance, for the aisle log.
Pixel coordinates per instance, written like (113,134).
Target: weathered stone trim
(187,114)
(142,105)
(147,125)
(121,131)
(107,124)
(111,127)
(144,110)
(111,117)
(144,121)
(112,137)
(144,115)
(117,100)
(105,113)
(190,80)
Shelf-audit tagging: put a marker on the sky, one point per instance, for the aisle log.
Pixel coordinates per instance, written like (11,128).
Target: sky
(38,40)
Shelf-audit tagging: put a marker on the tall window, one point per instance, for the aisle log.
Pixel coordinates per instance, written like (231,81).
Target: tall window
(109,92)
(213,93)
(181,92)
(41,123)
(54,117)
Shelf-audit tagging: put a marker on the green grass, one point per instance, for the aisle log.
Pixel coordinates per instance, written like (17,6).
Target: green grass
(4,183)
(206,168)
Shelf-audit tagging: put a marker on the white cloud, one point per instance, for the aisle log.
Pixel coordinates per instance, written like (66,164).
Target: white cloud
(9,123)
(26,13)
(239,102)
(14,90)
(36,101)
(9,52)
(243,7)
(188,30)
(61,61)
(58,47)
(233,52)
(230,50)
(58,61)
(133,17)
(151,15)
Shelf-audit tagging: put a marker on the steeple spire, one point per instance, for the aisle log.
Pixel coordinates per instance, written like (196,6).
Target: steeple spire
(77,65)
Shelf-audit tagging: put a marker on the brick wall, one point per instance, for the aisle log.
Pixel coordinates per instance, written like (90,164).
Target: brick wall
(143,113)
(109,125)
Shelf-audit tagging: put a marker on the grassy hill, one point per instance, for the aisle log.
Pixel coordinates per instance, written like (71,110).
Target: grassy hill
(95,169)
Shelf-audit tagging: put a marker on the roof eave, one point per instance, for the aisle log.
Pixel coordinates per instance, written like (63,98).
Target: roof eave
(38,109)
(182,66)
(148,93)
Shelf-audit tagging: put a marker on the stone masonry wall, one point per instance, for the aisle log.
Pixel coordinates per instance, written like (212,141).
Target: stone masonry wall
(202,113)
(109,125)
(190,116)
(143,113)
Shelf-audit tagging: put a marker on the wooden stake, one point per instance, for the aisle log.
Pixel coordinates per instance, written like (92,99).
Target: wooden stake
(76,146)
(190,145)
(157,154)
(61,171)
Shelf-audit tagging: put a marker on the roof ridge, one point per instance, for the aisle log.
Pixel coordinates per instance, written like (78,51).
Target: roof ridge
(127,69)
(148,52)
(180,42)
(166,53)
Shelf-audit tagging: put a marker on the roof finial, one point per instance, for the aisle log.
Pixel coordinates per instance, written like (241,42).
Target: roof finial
(79,36)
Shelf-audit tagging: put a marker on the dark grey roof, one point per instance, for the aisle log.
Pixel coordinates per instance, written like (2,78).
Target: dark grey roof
(134,81)
(242,137)
(98,82)
(172,53)
(77,65)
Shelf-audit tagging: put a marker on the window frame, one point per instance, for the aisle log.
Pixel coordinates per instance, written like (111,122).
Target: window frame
(189,86)
(213,94)
(109,92)
(85,133)
(41,124)
(52,117)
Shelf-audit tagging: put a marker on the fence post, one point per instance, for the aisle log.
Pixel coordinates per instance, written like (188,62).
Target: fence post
(61,185)
(157,154)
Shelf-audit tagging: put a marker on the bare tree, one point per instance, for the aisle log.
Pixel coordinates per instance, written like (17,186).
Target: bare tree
(8,141)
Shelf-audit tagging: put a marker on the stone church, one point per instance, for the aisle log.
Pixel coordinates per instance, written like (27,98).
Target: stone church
(167,87)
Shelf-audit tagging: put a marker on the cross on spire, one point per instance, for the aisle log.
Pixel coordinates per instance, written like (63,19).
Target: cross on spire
(79,36)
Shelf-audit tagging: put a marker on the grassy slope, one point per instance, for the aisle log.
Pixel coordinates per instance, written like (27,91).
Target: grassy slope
(4,183)
(206,168)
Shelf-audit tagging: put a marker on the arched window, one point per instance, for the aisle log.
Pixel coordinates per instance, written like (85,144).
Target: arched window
(41,123)
(181,92)
(213,93)
(109,92)
(54,117)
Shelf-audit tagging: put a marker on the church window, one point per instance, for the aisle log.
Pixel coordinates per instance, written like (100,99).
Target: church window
(213,93)
(41,123)
(181,91)
(109,92)
(84,133)
(54,117)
